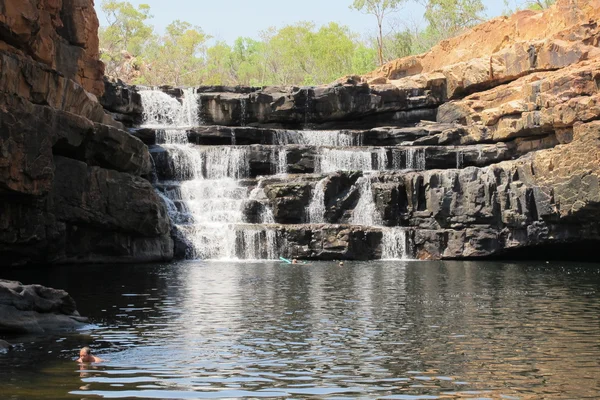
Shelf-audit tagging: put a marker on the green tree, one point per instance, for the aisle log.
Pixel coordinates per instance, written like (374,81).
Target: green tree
(398,45)
(177,58)
(364,60)
(248,62)
(380,9)
(447,18)
(126,35)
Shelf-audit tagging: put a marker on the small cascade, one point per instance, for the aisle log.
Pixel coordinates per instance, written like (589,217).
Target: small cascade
(279,160)
(162,111)
(415,159)
(460,159)
(257,244)
(394,245)
(318,138)
(316,208)
(258,194)
(233,141)
(243,111)
(411,158)
(306,108)
(331,160)
(365,212)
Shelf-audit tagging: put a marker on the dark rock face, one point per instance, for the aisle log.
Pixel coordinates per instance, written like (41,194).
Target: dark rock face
(36,309)
(71,186)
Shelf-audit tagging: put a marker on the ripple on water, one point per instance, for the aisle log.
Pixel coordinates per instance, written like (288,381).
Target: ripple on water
(377,330)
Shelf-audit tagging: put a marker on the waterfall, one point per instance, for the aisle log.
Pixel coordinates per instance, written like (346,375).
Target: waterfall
(206,200)
(220,211)
(258,194)
(306,107)
(279,160)
(165,112)
(394,244)
(411,158)
(317,138)
(365,212)
(316,208)
(331,160)
(460,159)
(243,111)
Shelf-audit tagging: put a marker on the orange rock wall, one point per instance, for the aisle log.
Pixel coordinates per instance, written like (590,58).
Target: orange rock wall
(493,36)
(62,34)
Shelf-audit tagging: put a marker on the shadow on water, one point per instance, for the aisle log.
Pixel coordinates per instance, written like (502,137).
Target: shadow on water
(394,330)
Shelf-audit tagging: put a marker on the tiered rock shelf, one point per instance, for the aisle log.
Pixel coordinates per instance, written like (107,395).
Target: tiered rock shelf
(486,144)
(259,173)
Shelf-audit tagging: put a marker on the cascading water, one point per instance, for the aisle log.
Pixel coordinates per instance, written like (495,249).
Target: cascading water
(394,245)
(318,138)
(279,160)
(331,160)
(205,200)
(243,111)
(460,159)
(316,208)
(411,158)
(365,212)
(218,211)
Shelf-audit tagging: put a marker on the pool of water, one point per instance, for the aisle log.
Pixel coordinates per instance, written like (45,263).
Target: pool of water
(386,330)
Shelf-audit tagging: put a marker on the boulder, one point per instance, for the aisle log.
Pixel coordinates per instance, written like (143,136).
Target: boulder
(36,309)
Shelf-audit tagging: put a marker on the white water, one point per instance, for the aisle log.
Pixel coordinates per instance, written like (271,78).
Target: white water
(331,160)
(258,194)
(316,208)
(317,138)
(206,200)
(162,111)
(410,158)
(394,245)
(365,212)
(279,160)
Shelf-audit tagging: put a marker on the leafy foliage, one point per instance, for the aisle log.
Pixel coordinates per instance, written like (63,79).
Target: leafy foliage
(380,9)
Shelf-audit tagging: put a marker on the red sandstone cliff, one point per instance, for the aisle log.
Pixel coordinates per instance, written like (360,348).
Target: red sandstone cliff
(72,186)
(62,34)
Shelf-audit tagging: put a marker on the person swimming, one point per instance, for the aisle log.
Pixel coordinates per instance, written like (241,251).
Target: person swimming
(294,261)
(85,356)
(341,264)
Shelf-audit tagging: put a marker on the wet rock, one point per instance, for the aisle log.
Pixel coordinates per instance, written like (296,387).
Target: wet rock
(36,309)
(4,346)
(331,242)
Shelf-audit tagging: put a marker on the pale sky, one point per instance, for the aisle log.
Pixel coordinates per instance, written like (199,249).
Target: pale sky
(229,19)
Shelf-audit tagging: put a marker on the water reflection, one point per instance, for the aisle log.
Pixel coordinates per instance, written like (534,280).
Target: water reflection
(390,330)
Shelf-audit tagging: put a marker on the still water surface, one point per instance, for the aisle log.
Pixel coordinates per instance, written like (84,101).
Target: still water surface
(387,330)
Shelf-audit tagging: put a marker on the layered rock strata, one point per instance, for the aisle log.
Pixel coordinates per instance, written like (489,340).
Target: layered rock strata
(73,183)
(504,155)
